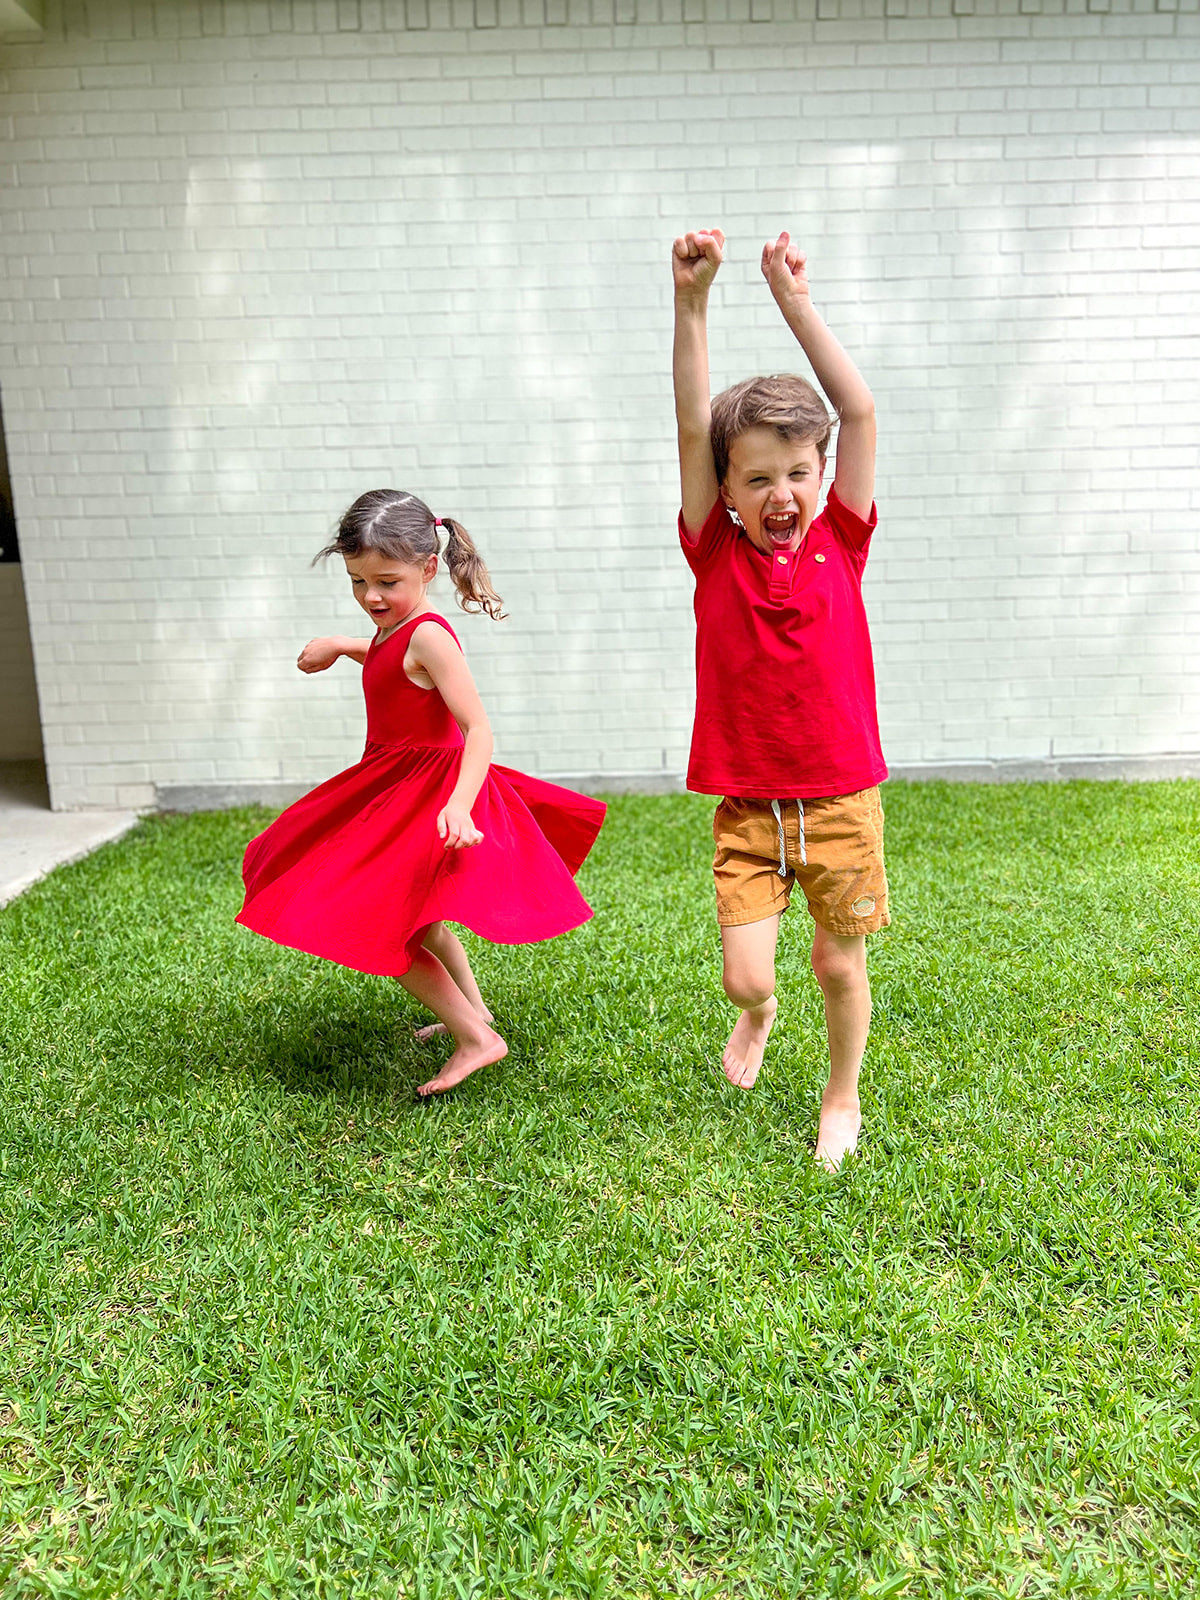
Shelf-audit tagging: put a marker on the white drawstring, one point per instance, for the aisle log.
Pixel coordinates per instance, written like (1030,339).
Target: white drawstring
(782,847)
(777,809)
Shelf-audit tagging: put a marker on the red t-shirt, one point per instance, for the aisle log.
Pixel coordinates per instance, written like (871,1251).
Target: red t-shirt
(785,684)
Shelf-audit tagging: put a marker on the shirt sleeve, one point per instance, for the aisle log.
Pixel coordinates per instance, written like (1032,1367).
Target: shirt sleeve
(698,552)
(849,527)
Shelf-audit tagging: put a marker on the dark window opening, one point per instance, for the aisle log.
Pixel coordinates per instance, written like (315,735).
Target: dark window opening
(8,520)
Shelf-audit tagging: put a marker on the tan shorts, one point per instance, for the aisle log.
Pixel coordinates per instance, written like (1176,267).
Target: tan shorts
(833,847)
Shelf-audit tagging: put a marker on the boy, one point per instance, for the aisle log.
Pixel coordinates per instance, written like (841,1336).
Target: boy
(786,728)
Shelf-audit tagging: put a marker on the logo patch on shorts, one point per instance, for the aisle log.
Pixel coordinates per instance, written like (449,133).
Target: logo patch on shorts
(864,906)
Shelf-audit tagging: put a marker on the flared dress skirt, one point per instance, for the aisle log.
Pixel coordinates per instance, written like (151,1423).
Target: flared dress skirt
(355,871)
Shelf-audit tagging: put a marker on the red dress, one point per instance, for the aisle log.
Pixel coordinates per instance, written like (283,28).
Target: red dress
(355,872)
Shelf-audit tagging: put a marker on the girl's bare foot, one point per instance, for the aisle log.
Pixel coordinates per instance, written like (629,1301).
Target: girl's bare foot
(435,1030)
(744,1053)
(468,1058)
(837,1136)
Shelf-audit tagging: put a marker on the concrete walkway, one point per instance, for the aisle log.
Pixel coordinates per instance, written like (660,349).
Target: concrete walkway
(33,839)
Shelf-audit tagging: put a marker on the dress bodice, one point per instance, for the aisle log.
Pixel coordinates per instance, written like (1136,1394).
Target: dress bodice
(399,711)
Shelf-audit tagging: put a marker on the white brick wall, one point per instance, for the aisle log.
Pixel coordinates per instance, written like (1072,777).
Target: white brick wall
(260,256)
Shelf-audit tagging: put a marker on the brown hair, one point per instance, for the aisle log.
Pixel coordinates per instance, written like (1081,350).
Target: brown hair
(402,527)
(784,402)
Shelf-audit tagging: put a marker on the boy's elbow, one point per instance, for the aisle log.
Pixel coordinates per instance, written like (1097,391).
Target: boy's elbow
(694,435)
(860,409)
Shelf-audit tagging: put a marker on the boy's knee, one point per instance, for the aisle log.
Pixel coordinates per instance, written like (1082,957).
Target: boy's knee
(837,968)
(747,987)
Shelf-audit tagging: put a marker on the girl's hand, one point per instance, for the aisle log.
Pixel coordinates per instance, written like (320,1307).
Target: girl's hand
(455,826)
(695,258)
(319,654)
(783,266)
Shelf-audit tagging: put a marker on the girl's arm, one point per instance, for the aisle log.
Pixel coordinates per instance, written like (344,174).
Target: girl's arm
(432,649)
(783,267)
(321,653)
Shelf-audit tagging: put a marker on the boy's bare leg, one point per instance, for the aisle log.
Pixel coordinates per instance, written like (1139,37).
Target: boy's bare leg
(447,947)
(749,981)
(840,964)
(476,1043)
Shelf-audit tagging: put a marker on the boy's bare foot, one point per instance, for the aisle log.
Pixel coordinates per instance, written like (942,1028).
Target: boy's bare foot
(435,1030)
(744,1053)
(837,1136)
(468,1058)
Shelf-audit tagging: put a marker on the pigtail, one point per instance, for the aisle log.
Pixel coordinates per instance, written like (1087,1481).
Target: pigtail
(468,573)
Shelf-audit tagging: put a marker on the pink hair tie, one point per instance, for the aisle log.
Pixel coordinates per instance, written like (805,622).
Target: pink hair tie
(438,523)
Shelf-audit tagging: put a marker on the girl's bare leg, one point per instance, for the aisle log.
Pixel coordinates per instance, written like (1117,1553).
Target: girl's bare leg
(447,947)
(840,964)
(476,1043)
(749,981)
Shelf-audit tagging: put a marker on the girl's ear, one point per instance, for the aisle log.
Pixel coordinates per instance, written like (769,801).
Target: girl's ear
(430,571)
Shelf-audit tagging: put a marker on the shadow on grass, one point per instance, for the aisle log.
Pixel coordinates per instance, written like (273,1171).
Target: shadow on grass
(596,1302)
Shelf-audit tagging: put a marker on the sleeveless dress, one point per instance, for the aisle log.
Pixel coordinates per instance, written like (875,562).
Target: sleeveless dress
(355,872)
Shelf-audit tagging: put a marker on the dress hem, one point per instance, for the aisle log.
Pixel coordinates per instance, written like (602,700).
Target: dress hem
(417,939)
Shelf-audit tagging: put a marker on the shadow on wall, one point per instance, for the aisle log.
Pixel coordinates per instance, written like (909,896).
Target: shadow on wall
(523,385)
(1033,470)
(483,403)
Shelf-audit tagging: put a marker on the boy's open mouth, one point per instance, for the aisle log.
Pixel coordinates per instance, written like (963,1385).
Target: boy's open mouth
(779,526)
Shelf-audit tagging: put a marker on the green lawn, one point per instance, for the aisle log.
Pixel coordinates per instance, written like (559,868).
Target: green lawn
(595,1324)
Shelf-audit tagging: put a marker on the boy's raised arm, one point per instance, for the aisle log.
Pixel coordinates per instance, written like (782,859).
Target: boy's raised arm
(854,479)
(695,258)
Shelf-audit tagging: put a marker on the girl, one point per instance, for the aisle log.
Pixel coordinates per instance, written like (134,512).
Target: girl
(368,869)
